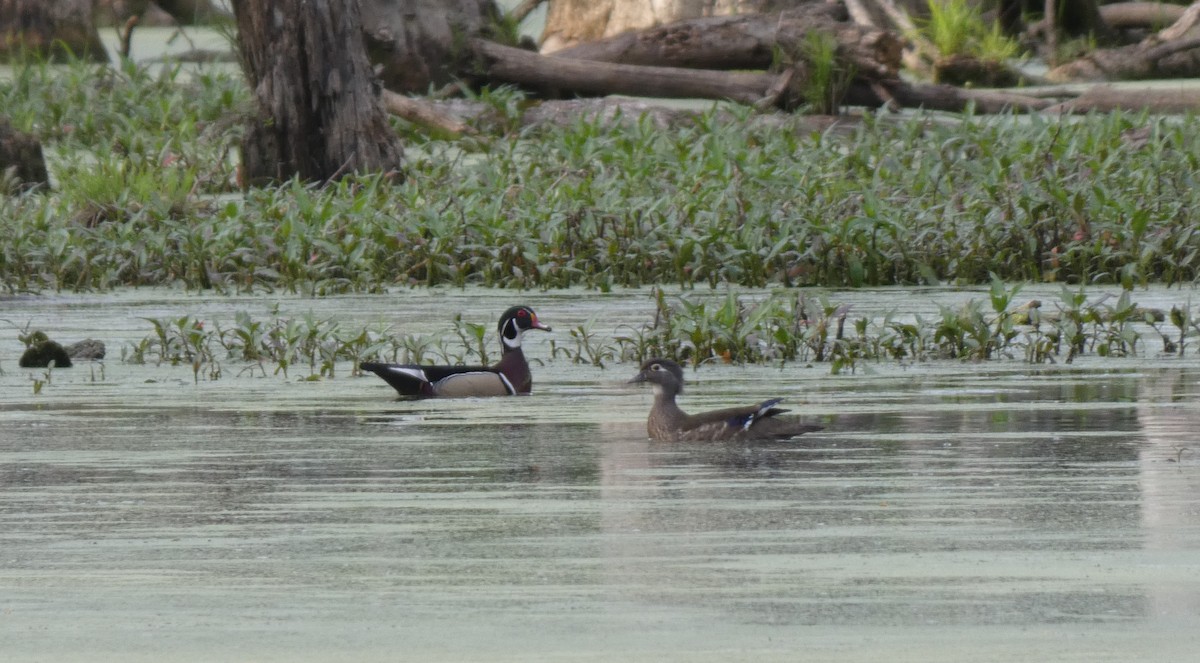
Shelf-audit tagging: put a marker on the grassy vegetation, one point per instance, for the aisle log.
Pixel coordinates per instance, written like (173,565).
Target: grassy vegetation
(957,27)
(791,327)
(827,79)
(781,328)
(141,160)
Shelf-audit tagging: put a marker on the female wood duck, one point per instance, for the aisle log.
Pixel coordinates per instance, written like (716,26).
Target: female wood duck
(507,377)
(668,423)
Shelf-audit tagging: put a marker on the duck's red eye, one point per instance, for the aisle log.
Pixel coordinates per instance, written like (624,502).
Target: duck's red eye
(523,313)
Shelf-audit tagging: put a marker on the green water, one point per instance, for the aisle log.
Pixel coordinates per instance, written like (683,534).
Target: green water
(948,512)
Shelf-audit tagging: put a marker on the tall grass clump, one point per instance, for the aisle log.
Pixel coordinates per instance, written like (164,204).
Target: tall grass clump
(957,27)
(828,76)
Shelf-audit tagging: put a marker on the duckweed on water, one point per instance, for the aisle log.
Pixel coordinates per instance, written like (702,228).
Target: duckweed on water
(725,201)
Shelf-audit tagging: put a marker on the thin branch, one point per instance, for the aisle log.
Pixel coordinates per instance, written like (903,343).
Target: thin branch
(127,36)
(1172,47)
(422,113)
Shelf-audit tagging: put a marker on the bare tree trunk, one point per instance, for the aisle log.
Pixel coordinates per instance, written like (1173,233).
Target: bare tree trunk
(22,165)
(420,43)
(54,30)
(319,115)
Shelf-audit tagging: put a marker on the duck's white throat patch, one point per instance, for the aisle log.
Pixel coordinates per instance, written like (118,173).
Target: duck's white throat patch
(511,335)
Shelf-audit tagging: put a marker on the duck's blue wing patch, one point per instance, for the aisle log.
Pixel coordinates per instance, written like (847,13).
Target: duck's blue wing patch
(746,419)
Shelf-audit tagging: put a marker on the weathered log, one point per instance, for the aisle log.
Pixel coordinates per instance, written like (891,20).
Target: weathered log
(423,113)
(551,75)
(573,22)
(630,112)
(748,42)
(22,165)
(1126,15)
(1106,98)
(941,97)
(1173,52)
(554,74)
(1142,61)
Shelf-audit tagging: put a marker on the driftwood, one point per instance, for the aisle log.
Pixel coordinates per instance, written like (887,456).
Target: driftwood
(424,113)
(629,112)
(1106,98)
(748,41)
(548,74)
(1173,52)
(949,98)
(726,58)
(1126,15)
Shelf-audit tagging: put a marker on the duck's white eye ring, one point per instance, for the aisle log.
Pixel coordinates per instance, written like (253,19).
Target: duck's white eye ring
(656,367)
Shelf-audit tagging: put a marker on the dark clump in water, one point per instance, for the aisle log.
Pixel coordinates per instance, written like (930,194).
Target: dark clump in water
(43,352)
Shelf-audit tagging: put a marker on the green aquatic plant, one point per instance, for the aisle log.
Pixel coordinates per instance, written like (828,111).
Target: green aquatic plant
(778,328)
(142,197)
(827,76)
(957,27)
(283,342)
(784,327)
(41,381)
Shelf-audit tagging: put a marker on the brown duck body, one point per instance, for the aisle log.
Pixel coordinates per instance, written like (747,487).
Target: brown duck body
(508,377)
(668,423)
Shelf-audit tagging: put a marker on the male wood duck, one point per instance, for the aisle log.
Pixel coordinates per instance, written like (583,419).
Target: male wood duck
(509,376)
(668,423)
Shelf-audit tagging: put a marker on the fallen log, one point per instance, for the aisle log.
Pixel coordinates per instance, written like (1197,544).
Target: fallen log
(630,112)
(1153,15)
(943,98)
(423,113)
(748,41)
(1107,98)
(554,76)
(1173,52)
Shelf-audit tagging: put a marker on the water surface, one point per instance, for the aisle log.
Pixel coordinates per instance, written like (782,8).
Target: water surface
(949,512)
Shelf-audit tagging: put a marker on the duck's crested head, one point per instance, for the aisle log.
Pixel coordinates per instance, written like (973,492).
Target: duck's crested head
(662,372)
(523,318)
